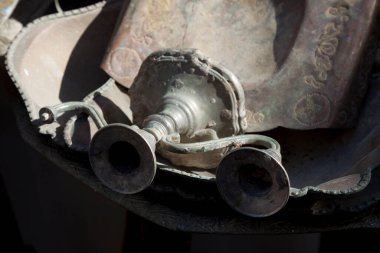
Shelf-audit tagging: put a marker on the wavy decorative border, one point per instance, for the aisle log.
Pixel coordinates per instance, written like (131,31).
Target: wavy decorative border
(33,114)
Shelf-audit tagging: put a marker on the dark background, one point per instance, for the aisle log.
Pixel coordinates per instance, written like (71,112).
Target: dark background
(43,209)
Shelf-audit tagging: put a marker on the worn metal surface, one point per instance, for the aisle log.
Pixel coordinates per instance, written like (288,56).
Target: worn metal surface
(189,96)
(24,69)
(197,206)
(180,208)
(253,181)
(187,82)
(293,51)
(306,165)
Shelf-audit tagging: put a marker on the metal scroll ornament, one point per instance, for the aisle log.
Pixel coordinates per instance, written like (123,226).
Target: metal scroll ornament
(179,94)
(194,114)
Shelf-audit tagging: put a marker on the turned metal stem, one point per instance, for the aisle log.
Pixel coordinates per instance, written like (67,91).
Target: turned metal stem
(179,94)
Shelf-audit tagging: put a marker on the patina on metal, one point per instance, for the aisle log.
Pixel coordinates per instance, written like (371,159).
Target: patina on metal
(189,93)
(190,96)
(72,74)
(253,181)
(9,27)
(294,58)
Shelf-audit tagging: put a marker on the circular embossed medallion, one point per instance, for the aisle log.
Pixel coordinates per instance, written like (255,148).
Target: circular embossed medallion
(312,109)
(124,62)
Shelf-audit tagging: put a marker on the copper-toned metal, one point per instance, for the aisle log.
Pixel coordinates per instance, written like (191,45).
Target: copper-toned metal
(187,92)
(288,80)
(300,64)
(297,60)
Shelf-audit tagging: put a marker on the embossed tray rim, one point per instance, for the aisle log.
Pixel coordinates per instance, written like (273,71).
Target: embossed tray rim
(33,112)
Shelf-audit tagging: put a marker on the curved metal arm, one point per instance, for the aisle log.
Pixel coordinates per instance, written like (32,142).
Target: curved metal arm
(49,114)
(170,143)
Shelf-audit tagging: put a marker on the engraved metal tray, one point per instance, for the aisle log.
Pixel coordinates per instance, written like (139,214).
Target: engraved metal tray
(56,59)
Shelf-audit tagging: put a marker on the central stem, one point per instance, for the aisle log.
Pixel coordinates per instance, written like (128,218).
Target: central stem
(174,118)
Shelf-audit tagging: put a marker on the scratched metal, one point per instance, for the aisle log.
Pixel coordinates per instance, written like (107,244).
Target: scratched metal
(73,72)
(297,60)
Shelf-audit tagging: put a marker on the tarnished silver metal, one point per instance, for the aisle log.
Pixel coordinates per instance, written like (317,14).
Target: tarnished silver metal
(182,91)
(123,158)
(6,9)
(187,92)
(50,114)
(292,51)
(339,28)
(253,181)
(170,143)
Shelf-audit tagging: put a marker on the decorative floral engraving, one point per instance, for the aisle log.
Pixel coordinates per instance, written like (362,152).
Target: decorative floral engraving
(124,62)
(312,109)
(255,117)
(327,46)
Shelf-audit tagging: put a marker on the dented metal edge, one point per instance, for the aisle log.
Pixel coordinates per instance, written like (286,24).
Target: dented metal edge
(10,68)
(33,113)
